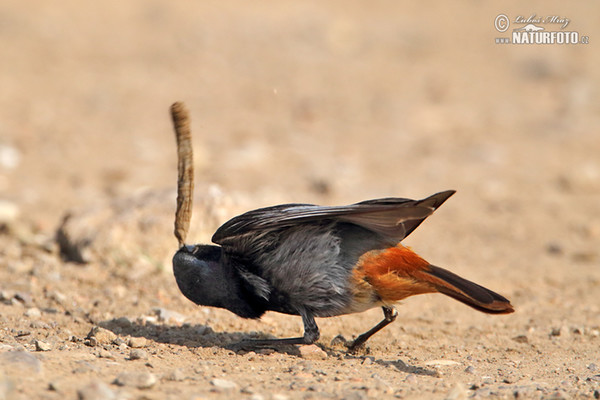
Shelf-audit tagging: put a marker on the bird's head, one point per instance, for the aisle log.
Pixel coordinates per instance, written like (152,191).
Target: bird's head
(200,275)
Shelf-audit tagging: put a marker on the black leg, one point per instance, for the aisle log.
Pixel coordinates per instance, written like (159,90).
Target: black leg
(389,315)
(311,335)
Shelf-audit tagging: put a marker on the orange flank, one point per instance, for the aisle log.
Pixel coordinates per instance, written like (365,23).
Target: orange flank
(393,274)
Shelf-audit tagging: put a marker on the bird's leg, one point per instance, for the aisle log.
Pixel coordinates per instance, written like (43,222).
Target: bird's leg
(311,335)
(389,315)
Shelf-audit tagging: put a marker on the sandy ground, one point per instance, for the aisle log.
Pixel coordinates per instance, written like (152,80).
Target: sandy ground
(295,102)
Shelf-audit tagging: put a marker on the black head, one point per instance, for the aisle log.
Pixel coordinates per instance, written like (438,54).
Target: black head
(199,274)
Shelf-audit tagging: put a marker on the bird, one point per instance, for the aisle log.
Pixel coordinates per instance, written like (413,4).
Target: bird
(322,261)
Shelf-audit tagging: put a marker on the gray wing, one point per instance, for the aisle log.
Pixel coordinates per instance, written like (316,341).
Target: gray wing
(392,218)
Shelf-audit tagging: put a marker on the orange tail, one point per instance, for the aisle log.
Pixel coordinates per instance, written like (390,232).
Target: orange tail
(397,273)
(467,292)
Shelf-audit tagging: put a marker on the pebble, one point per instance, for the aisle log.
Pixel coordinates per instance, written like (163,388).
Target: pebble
(55,386)
(176,375)
(166,315)
(138,354)
(561,331)
(39,325)
(58,297)
(9,212)
(368,360)
(96,390)
(25,298)
(10,156)
(21,363)
(105,354)
(33,312)
(223,384)
(521,339)
(312,352)
(101,335)
(137,342)
(592,367)
(470,369)
(6,295)
(42,346)
(339,340)
(140,380)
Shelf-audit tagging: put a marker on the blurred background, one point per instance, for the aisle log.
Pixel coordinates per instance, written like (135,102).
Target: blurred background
(313,102)
(301,101)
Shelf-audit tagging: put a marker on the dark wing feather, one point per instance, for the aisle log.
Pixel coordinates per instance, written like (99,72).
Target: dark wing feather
(393,218)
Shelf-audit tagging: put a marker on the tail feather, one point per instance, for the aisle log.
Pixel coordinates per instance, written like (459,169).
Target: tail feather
(468,292)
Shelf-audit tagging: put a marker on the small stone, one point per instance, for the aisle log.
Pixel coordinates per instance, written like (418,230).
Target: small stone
(521,339)
(339,340)
(368,360)
(594,378)
(42,346)
(592,367)
(25,298)
(176,375)
(312,352)
(138,354)
(96,390)
(411,379)
(10,157)
(58,297)
(101,335)
(9,211)
(170,316)
(470,369)
(597,394)
(140,380)
(555,332)
(223,384)
(105,354)
(39,325)
(33,312)
(554,249)
(6,295)
(55,386)
(137,342)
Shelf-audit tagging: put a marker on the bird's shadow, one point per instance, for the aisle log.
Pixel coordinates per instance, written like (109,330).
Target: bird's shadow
(203,336)
(188,335)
